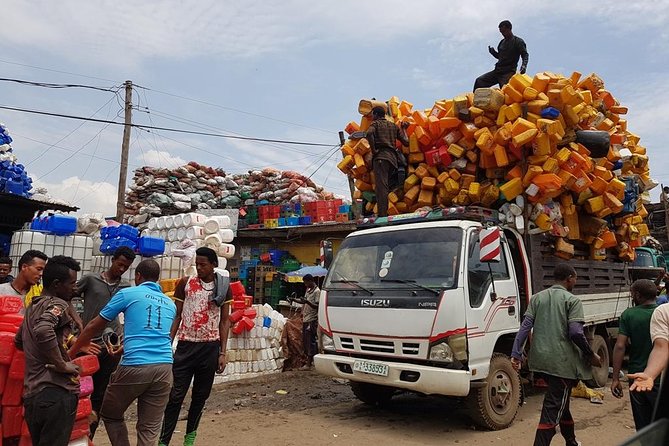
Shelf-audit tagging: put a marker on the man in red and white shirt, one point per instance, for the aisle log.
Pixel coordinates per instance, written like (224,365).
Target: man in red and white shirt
(202,327)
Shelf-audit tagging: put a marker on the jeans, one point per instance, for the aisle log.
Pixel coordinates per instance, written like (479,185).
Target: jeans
(196,361)
(148,384)
(108,364)
(309,340)
(643,404)
(50,415)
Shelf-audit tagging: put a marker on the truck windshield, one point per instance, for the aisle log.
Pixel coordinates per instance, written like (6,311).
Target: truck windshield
(425,256)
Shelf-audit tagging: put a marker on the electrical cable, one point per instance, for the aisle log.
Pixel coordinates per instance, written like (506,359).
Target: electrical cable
(165,129)
(56,71)
(51,85)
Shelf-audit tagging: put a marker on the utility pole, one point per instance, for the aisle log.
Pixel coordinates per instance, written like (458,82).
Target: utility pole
(120,199)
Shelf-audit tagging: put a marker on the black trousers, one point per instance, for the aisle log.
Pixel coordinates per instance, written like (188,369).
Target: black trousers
(196,361)
(643,404)
(382,171)
(108,364)
(309,340)
(555,411)
(50,416)
(493,77)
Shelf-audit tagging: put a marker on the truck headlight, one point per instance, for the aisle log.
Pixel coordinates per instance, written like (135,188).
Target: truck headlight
(326,342)
(441,352)
(458,344)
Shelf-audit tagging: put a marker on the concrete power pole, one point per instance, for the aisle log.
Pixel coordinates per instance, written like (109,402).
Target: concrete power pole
(120,199)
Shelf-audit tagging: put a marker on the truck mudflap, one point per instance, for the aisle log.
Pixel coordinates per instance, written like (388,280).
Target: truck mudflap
(413,377)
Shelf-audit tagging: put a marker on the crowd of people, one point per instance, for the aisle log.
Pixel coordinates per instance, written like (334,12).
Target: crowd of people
(136,358)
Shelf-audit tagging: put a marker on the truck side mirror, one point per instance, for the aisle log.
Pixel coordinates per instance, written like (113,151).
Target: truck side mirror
(326,253)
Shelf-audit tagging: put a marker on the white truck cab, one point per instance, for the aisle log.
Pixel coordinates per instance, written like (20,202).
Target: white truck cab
(409,305)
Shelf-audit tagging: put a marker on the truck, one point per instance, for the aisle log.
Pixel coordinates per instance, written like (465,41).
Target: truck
(409,305)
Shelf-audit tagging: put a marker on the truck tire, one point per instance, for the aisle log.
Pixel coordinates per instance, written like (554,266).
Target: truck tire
(372,394)
(600,375)
(495,406)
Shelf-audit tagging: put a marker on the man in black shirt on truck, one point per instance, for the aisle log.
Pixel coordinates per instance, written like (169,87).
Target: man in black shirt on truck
(509,50)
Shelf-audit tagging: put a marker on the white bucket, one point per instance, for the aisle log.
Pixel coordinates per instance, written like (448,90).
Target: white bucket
(195,232)
(178,220)
(169,222)
(152,223)
(227,235)
(194,219)
(226,250)
(216,223)
(213,240)
(160,223)
(181,233)
(199,243)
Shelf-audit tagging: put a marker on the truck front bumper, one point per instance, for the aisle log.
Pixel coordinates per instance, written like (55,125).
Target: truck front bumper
(413,377)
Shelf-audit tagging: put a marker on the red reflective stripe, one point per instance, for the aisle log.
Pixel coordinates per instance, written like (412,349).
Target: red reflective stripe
(446,334)
(491,255)
(490,238)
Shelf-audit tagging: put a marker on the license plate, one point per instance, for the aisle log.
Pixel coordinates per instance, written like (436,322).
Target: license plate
(373,368)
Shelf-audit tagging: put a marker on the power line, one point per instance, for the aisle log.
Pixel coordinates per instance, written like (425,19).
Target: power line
(56,71)
(236,110)
(166,129)
(50,85)
(67,149)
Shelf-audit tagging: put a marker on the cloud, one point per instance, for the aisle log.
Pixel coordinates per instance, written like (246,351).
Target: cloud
(160,158)
(88,196)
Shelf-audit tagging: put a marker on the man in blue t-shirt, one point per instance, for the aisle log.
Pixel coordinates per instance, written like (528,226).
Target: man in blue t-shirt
(145,371)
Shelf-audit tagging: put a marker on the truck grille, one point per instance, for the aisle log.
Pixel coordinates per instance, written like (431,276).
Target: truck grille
(376,346)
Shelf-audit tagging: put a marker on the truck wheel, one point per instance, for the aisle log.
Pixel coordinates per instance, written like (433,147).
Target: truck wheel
(600,375)
(495,406)
(372,394)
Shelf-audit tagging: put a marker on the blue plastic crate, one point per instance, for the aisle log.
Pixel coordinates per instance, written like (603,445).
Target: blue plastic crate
(306,220)
(282,222)
(292,221)
(344,208)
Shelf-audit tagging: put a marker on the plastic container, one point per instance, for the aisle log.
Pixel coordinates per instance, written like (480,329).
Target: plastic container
(7,347)
(12,421)
(195,232)
(10,322)
(11,396)
(88,364)
(10,304)
(149,246)
(14,186)
(194,219)
(226,250)
(172,235)
(169,222)
(129,232)
(62,225)
(179,221)
(237,289)
(79,430)
(216,223)
(81,441)
(85,386)
(511,189)
(160,223)
(236,316)
(17,369)
(84,408)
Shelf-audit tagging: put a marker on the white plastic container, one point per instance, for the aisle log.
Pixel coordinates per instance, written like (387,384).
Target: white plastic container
(226,250)
(152,223)
(216,223)
(160,223)
(179,221)
(195,232)
(222,263)
(172,235)
(181,233)
(194,219)
(169,222)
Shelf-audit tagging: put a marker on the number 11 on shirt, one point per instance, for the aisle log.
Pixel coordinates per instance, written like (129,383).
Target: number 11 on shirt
(149,309)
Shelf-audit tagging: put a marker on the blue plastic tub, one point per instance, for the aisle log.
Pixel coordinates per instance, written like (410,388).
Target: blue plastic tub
(150,246)
(62,225)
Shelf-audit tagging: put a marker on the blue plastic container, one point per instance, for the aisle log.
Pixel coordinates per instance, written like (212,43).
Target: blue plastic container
(129,232)
(62,224)
(344,208)
(550,113)
(150,246)
(14,186)
(132,244)
(306,220)
(282,222)
(292,221)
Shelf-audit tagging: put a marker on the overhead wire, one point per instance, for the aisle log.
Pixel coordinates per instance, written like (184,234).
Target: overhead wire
(52,85)
(55,71)
(166,129)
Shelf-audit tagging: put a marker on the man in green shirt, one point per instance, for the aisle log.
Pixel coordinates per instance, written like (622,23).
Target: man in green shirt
(635,327)
(557,318)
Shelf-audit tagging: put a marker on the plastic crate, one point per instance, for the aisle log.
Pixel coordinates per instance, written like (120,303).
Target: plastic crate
(151,246)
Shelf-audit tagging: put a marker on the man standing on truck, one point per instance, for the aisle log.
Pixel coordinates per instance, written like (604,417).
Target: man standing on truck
(557,318)
(382,136)
(635,326)
(509,50)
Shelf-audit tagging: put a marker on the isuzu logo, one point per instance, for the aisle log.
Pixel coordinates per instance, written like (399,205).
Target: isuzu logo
(382,303)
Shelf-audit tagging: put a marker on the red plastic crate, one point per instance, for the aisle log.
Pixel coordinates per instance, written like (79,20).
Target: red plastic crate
(13,392)
(88,364)
(7,347)
(12,419)
(10,304)
(84,408)
(80,429)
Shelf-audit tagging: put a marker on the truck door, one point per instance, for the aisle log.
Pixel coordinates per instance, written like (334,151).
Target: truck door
(488,318)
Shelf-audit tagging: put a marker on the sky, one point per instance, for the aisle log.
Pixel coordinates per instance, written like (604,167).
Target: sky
(289,70)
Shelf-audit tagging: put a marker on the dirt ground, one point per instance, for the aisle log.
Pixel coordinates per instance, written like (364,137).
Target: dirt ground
(318,410)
